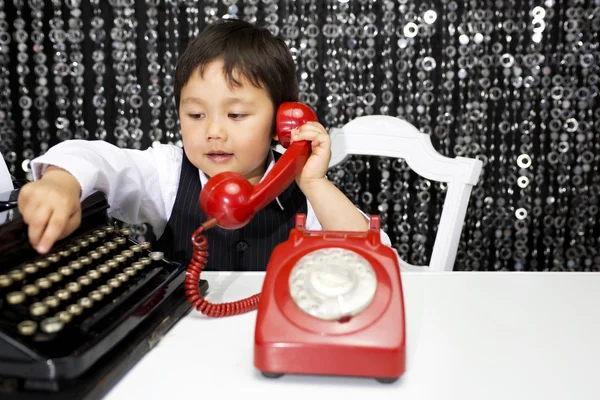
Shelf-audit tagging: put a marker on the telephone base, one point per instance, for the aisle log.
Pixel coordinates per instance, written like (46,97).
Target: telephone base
(271,375)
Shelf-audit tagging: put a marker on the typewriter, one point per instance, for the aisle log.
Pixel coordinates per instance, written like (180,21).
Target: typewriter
(75,320)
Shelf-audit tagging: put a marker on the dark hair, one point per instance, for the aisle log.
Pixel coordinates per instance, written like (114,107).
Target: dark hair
(251,51)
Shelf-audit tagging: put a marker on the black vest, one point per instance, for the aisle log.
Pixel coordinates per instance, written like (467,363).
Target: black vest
(246,249)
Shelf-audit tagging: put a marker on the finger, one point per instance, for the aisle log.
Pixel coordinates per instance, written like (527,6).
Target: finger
(54,228)
(37,224)
(73,223)
(308,133)
(23,200)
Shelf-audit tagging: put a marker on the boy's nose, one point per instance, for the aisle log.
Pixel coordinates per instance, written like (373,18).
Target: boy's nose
(215,130)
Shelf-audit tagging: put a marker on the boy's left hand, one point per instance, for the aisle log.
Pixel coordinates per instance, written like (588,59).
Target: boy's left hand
(318,161)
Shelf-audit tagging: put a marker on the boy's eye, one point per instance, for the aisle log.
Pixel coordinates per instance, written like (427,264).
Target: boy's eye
(237,116)
(195,116)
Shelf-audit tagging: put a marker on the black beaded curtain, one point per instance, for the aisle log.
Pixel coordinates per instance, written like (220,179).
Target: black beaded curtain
(512,83)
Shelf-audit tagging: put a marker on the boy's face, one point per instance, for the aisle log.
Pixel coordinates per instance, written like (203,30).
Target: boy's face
(225,128)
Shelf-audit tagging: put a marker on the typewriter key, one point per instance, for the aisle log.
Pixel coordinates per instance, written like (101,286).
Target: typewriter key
(65,253)
(63,294)
(84,280)
(37,309)
(5,281)
(85,260)
(83,243)
(64,316)
(93,274)
(52,325)
(103,268)
(113,283)
(100,234)
(92,238)
(96,295)
(127,253)
(136,248)
(110,245)
(138,266)
(120,258)
(122,278)
(30,269)
(73,287)
(109,229)
(156,255)
(105,290)
(112,264)
(53,258)
(74,309)
(27,328)
(75,265)
(65,271)
(120,240)
(145,261)
(15,297)
(85,302)
(54,277)
(51,301)
(43,283)
(94,255)
(125,232)
(103,250)
(30,290)
(145,245)
(74,249)
(42,264)
(17,275)
(129,271)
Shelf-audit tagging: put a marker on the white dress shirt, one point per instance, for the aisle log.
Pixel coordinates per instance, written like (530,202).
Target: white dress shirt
(140,185)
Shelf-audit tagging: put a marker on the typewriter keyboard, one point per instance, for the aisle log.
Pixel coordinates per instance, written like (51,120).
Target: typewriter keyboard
(58,301)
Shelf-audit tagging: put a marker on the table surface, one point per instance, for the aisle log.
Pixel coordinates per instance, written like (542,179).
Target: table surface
(470,335)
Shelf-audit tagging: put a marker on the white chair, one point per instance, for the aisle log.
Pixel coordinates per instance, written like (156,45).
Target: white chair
(380,135)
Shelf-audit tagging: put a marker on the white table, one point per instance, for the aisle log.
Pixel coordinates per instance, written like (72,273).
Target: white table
(470,335)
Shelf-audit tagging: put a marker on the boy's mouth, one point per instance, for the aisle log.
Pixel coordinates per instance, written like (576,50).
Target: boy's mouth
(219,156)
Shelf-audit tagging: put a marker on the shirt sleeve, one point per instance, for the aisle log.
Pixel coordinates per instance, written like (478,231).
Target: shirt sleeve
(312,223)
(140,185)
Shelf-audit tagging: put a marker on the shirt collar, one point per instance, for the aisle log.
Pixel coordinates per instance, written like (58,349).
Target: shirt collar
(270,163)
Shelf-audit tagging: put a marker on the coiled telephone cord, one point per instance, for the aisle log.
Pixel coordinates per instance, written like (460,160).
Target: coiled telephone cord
(192,279)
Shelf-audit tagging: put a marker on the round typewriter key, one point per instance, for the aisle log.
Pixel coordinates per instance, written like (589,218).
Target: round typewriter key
(96,295)
(109,229)
(73,287)
(119,258)
(103,250)
(122,277)
(129,271)
(112,264)
(51,301)
(17,275)
(43,283)
(94,255)
(136,248)
(75,265)
(65,316)
(53,258)
(37,309)
(120,240)
(85,260)
(92,238)
(54,277)
(74,248)
(30,290)
(27,328)
(63,294)
(83,243)
(105,289)
(103,268)
(52,325)
(65,271)
(125,232)
(74,309)
(85,302)
(127,253)
(145,261)
(138,266)
(93,274)
(15,297)
(145,245)
(156,255)
(65,253)
(30,269)
(42,264)
(110,245)
(100,234)
(113,283)
(84,280)
(5,281)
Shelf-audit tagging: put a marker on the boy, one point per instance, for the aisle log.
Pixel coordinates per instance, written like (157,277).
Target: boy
(228,85)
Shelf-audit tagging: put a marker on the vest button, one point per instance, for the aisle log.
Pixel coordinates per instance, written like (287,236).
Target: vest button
(241,246)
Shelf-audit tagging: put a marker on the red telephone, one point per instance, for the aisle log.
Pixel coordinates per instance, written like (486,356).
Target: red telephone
(335,297)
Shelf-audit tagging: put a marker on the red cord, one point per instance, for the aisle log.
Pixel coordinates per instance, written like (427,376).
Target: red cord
(192,279)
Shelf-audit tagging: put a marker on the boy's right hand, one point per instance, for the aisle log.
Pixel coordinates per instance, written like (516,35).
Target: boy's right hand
(50,207)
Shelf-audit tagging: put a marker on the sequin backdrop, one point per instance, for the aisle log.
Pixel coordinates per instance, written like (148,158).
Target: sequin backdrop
(513,83)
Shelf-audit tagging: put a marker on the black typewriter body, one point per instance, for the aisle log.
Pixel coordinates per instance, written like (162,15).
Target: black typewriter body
(75,320)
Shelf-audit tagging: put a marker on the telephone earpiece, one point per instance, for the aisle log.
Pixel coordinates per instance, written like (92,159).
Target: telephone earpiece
(233,201)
